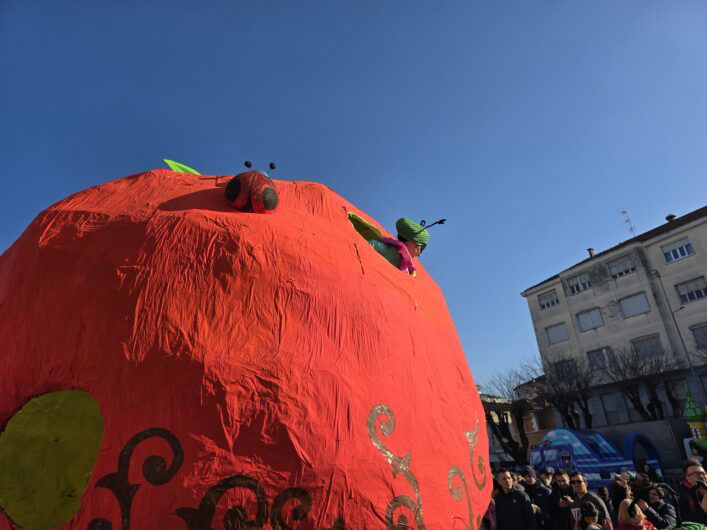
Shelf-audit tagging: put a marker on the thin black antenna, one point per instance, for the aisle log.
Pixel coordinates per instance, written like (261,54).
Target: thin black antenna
(627,220)
(440,222)
(426,226)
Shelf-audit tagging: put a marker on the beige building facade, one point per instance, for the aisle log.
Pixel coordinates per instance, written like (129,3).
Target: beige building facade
(647,294)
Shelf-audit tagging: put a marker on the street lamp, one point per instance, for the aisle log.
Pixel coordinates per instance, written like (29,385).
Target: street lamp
(693,374)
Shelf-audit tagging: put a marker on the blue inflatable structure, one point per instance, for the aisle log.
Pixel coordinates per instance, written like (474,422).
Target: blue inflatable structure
(591,453)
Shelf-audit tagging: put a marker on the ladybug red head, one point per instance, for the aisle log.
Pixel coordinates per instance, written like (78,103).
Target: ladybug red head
(253,191)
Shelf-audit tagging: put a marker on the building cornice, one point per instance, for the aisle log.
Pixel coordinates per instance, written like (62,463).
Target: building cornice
(659,233)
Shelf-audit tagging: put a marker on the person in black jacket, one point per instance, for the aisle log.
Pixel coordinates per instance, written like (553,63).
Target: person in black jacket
(620,490)
(539,495)
(690,494)
(658,512)
(604,495)
(513,507)
(561,502)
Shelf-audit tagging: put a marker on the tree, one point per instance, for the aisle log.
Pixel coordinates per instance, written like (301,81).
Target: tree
(565,381)
(505,408)
(634,370)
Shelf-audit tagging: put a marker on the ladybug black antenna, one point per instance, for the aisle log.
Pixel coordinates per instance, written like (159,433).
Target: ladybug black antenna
(272,165)
(425,226)
(440,222)
(248,164)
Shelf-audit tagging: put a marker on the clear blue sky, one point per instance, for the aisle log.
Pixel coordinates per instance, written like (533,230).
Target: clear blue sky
(527,124)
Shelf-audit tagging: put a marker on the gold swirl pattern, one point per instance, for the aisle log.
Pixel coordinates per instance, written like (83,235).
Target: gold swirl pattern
(401,466)
(456,491)
(472,438)
(456,473)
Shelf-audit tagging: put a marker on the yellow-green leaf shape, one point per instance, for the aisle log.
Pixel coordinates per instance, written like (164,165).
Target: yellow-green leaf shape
(47,452)
(363,227)
(180,168)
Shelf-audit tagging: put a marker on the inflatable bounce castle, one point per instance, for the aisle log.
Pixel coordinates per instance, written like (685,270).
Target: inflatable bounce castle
(590,452)
(180,351)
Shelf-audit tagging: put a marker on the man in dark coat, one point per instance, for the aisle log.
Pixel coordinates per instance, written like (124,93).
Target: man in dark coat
(658,512)
(561,502)
(539,494)
(513,507)
(690,494)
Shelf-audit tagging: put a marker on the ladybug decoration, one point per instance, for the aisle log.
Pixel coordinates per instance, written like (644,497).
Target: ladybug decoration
(143,402)
(253,191)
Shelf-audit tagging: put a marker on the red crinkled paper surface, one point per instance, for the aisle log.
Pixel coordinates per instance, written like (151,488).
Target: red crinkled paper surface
(273,369)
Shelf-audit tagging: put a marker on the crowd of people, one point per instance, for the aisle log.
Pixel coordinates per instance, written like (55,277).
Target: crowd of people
(550,499)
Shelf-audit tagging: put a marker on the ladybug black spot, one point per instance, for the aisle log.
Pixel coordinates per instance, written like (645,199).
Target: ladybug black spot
(233,188)
(270,198)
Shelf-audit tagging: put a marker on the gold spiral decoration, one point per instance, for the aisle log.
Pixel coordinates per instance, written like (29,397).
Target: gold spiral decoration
(400,465)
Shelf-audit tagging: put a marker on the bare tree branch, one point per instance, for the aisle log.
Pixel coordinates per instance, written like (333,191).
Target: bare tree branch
(555,390)
(568,381)
(634,371)
(699,352)
(505,408)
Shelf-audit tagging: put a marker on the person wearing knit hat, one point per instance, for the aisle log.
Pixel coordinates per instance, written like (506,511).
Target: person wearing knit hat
(411,241)
(540,495)
(545,475)
(527,471)
(415,235)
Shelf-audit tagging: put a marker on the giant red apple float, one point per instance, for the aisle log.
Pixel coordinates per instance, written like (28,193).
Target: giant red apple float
(251,371)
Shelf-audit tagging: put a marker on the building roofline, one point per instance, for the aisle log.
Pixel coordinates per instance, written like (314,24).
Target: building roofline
(640,238)
(534,381)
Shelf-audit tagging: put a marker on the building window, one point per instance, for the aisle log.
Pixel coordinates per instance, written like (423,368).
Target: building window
(548,299)
(531,423)
(590,319)
(557,333)
(566,368)
(692,290)
(622,266)
(601,358)
(634,305)
(678,250)
(700,334)
(647,346)
(579,283)
(611,408)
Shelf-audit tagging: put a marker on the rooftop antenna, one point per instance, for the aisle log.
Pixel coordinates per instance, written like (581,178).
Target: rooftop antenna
(627,221)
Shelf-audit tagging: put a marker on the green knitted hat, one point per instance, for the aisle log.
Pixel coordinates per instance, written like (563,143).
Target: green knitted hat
(412,231)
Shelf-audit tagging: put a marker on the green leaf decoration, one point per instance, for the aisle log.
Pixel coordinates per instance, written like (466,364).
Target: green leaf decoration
(363,227)
(180,168)
(47,452)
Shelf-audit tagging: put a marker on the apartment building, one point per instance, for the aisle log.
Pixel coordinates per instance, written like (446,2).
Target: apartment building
(648,294)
